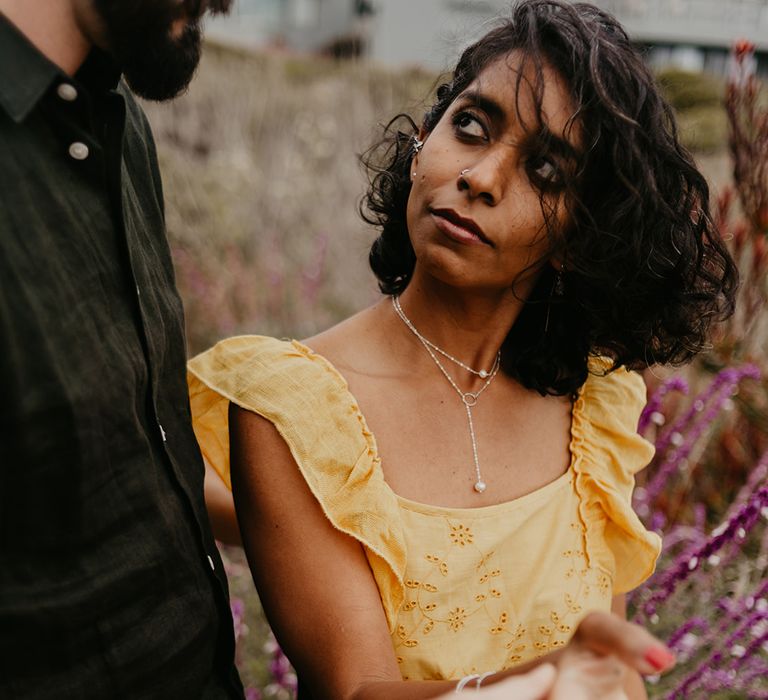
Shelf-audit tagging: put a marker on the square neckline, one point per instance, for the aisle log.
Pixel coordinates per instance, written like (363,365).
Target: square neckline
(430,509)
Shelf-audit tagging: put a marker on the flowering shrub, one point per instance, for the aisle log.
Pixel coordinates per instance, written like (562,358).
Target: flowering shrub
(709,596)
(748,120)
(747,333)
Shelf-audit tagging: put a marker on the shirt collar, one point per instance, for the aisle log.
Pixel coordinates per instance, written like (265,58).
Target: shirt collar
(26,74)
(99,73)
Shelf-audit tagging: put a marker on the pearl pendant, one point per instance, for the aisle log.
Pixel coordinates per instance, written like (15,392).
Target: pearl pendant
(480,486)
(483,374)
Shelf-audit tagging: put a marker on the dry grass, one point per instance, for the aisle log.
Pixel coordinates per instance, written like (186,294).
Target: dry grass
(259,162)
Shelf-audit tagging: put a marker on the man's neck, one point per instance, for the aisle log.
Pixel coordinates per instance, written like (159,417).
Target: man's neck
(54,29)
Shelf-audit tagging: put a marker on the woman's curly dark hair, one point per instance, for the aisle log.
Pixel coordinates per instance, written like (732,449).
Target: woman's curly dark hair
(645,272)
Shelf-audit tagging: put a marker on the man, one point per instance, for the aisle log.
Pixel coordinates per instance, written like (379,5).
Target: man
(110,582)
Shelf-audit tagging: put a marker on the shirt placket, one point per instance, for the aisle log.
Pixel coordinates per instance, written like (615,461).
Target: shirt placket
(114,145)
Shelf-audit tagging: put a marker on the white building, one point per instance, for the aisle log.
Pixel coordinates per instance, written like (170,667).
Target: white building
(694,34)
(297,25)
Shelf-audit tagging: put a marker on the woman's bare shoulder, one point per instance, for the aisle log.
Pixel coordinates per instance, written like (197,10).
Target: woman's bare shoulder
(355,342)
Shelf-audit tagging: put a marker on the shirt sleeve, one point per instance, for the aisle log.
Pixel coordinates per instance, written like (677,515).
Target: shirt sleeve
(310,405)
(608,453)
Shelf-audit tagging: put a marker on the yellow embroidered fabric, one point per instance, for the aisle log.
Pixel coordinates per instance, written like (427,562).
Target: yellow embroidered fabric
(465,590)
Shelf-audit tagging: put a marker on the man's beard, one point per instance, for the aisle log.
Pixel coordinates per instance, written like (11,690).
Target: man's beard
(156,65)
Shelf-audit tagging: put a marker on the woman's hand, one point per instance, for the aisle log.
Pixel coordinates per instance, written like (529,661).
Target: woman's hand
(607,634)
(534,685)
(584,675)
(596,663)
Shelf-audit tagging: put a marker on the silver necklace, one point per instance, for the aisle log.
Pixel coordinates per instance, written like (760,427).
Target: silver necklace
(482,373)
(468,398)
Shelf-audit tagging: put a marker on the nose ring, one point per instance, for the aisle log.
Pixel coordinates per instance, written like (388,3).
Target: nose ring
(463,172)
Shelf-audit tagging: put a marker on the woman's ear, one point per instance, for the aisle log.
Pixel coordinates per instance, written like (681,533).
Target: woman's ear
(418,145)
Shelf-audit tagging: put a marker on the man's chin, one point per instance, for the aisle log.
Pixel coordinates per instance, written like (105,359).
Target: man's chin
(165,72)
(158,88)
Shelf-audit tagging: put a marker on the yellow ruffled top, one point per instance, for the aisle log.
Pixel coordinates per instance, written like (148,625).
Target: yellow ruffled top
(465,590)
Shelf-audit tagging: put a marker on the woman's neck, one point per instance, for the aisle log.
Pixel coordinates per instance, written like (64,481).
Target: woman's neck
(469,325)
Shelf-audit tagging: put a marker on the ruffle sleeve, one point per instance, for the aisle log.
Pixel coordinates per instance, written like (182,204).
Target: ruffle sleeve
(309,403)
(608,452)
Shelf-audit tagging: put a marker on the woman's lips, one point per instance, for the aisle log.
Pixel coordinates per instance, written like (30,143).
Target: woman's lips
(458,229)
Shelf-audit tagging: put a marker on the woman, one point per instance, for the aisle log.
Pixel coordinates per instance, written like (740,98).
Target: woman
(541,233)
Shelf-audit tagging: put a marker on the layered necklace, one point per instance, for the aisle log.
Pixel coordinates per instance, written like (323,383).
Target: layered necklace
(468,398)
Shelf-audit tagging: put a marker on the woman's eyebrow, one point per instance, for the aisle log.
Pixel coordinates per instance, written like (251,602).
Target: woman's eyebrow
(558,145)
(490,106)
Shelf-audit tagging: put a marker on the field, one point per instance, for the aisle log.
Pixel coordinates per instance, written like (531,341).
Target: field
(262,183)
(260,163)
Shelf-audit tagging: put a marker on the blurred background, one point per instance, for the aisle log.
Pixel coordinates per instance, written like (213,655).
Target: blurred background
(262,184)
(688,34)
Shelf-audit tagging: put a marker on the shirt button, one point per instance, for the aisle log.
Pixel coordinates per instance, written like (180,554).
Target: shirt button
(210,563)
(78,150)
(67,92)
(162,432)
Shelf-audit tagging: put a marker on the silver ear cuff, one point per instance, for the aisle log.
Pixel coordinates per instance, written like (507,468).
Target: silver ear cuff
(417,145)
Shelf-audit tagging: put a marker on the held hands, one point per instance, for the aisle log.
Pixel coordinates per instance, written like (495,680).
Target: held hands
(596,661)
(593,666)
(534,685)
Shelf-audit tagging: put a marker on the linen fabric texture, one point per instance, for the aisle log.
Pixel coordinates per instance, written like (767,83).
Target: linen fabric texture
(111,585)
(464,590)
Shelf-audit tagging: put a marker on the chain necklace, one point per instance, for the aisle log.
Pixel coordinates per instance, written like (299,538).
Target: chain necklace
(468,398)
(482,373)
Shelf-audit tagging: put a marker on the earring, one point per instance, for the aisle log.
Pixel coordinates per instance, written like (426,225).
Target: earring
(417,145)
(559,288)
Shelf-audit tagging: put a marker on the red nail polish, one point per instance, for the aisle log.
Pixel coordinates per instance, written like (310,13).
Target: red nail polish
(659,658)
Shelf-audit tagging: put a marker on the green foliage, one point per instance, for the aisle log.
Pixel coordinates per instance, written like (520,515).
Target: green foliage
(686,89)
(703,129)
(698,101)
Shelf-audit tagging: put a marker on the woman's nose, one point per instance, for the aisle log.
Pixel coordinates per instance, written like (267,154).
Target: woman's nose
(486,178)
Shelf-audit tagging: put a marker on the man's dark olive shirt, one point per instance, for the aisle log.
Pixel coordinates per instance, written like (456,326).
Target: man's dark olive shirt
(110,582)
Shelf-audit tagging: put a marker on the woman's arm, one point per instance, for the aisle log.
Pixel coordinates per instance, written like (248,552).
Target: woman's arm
(221,508)
(314,581)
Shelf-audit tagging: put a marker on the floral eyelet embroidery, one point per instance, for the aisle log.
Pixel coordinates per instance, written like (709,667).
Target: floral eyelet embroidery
(456,618)
(482,604)
(461,535)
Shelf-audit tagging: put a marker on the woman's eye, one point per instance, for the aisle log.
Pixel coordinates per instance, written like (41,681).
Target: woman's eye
(545,171)
(468,125)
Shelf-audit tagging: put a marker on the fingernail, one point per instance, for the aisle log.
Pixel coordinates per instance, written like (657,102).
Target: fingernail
(659,658)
